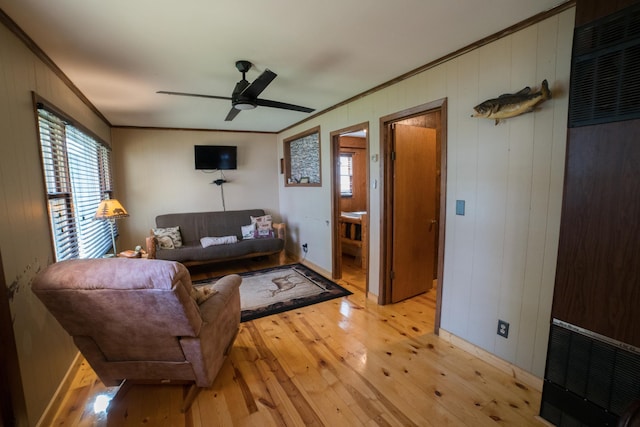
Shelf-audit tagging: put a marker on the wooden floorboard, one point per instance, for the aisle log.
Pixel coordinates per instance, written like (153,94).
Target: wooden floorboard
(343,362)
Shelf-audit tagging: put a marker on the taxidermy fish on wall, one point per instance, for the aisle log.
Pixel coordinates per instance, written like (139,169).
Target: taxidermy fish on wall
(512,104)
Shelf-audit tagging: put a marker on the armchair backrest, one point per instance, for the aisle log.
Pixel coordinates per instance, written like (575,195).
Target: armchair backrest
(132,309)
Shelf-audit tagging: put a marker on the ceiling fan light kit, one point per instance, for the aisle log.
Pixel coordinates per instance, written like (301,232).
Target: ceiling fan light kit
(245,94)
(244,105)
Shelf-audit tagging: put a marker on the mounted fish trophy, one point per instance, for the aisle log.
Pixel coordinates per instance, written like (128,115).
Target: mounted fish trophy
(512,104)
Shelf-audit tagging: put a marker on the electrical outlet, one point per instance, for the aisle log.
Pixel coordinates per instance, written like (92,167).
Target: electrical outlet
(305,248)
(503,328)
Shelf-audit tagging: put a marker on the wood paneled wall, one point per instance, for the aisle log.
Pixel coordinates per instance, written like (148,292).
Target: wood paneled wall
(45,350)
(500,257)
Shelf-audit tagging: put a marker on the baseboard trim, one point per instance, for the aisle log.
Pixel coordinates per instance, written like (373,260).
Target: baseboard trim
(56,401)
(372,298)
(316,268)
(516,372)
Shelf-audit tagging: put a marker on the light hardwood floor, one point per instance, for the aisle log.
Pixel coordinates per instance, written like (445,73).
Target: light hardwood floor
(344,362)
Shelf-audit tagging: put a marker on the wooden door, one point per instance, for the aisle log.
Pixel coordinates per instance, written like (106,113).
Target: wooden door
(414,214)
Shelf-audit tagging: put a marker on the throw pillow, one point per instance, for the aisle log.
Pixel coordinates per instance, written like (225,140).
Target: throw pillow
(264,233)
(262,222)
(263,226)
(168,237)
(202,293)
(224,240)
(248,230)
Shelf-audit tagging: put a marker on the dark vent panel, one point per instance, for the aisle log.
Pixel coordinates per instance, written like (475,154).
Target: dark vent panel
(588,382)
(605,72)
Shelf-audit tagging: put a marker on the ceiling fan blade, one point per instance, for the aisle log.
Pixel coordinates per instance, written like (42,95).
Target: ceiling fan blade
(199,95)
(259,84)
(231,115)
(282,105)
(239,88)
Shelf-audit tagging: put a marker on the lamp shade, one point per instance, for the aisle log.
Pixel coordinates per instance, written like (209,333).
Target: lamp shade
(110,209)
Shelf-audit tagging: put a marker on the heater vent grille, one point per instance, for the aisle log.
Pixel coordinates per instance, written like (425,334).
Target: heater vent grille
(605,73)
(592,381)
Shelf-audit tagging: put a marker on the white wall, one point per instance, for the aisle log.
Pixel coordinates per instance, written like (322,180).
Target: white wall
(157,167)
(45,351)
(500,257)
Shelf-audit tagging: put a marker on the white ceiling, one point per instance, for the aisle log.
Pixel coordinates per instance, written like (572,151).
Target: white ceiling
(120,52)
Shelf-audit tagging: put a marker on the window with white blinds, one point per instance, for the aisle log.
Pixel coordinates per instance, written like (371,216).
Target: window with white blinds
(346,174)
(77,172)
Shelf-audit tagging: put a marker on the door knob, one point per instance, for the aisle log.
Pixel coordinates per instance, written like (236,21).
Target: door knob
(432,223)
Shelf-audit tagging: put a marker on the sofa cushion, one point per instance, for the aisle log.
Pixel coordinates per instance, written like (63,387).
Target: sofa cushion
(195,252)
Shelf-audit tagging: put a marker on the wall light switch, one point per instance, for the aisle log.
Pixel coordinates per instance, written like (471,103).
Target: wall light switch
(459,207)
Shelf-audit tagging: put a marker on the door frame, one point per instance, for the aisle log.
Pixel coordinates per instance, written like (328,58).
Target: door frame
(386,201)
(335,196)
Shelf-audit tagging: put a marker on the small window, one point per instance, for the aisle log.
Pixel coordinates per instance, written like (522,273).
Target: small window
(346,174)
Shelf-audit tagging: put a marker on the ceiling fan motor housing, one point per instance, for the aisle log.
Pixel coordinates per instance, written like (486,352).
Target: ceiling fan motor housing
(243,66)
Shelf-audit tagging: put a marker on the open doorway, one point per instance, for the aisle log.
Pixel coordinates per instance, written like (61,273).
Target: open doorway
(350,204)
(413,147)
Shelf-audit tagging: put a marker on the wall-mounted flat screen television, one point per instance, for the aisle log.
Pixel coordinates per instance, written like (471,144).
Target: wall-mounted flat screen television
(211,157)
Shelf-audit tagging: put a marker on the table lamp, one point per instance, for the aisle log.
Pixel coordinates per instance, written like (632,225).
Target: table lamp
(111,209)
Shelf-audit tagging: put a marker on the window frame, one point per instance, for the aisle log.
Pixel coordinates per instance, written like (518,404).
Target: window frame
(348,155)
(77,175)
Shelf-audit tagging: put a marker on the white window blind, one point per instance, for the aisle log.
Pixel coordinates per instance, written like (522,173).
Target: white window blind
(346,174)
(77,171)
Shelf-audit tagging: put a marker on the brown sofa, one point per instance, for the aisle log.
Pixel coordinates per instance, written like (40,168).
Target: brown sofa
(196,225)
(137,319)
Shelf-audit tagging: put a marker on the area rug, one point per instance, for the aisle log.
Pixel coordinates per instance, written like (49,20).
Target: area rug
(278,289)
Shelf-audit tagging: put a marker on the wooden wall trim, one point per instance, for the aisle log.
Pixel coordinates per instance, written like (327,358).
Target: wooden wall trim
(146,128)
(33,47)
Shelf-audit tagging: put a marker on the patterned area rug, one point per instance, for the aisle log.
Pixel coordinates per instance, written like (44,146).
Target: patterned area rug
(282,288)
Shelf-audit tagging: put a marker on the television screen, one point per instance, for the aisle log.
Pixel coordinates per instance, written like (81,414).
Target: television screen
(215,157)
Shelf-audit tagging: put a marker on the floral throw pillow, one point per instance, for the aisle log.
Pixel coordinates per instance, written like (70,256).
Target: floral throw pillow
(263,226)
(168,237)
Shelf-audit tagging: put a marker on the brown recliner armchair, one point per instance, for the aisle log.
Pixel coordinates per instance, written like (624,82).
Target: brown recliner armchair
(138,320)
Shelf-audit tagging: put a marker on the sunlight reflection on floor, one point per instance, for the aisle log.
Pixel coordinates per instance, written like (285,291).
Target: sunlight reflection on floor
(345,308)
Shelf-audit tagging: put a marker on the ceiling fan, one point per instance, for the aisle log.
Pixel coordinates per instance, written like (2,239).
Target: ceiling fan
(245,94)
